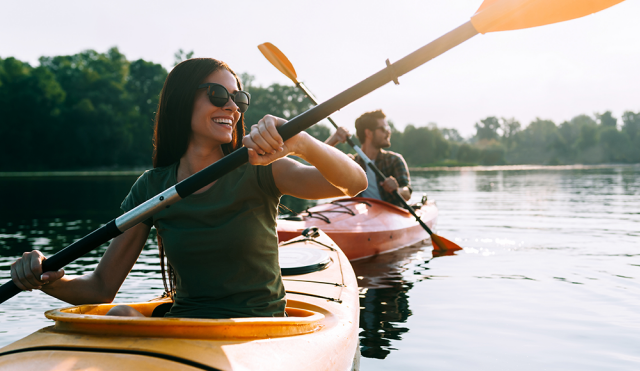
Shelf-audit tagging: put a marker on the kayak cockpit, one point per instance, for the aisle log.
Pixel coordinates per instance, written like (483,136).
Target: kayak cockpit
(91,319)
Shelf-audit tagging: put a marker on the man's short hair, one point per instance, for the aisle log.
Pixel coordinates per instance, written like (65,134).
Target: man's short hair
(368,120)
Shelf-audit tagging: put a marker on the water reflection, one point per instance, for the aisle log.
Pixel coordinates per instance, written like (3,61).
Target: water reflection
(549,272)
(385,281)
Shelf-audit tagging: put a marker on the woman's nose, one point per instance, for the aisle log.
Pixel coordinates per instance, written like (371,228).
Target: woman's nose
(231,105)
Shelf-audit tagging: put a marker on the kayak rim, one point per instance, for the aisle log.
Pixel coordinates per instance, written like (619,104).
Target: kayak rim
(91,319)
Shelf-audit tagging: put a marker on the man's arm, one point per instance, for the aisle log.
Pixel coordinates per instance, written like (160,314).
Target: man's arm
(339,136)
(399,178)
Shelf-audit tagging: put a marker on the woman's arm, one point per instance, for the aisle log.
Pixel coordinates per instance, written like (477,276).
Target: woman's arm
(332,173)
(99,286)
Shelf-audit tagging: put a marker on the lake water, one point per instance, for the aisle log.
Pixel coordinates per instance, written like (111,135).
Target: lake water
(548,279)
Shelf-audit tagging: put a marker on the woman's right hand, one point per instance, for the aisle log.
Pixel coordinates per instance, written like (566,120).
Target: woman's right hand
(26,272)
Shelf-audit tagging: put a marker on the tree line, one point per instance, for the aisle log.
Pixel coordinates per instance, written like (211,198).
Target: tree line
(95,110)
(584,139)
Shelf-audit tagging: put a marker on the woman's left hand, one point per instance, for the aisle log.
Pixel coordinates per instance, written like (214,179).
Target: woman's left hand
(265,143)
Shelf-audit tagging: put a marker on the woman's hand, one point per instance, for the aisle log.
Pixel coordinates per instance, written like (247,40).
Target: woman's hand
(265,143)
(26,272)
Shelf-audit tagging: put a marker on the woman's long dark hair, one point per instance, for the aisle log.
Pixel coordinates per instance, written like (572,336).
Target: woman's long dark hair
(173,127)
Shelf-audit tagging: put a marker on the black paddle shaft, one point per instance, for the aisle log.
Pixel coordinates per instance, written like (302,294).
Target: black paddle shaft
(239,157)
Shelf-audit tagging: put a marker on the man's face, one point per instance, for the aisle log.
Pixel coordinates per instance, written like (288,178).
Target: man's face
(381,135)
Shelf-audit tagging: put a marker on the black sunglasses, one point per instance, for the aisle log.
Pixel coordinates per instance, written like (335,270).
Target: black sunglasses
(219,96)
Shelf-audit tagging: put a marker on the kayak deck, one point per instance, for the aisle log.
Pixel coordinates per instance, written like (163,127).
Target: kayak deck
(320,333)
(363,227)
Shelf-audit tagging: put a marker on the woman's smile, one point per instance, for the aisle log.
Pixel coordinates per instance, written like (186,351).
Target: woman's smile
(227,123)
(224,120)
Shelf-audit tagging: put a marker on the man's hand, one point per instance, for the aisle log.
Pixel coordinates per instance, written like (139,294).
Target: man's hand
(391,185)
(340,136)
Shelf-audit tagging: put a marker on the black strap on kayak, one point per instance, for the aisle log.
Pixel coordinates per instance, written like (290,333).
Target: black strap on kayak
(342,210)
(146,353)
(339,301)
(321,282)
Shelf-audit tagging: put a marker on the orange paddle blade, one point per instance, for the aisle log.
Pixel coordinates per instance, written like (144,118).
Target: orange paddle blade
(442,244)
(279,60)
(505,15)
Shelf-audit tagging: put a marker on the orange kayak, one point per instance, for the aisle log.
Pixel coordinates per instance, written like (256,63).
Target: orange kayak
(363,227)
(320,332)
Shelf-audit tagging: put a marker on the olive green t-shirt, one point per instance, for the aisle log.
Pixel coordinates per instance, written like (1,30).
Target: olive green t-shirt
(222,243)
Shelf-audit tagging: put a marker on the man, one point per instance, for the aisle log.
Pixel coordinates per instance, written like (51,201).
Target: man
(374,134)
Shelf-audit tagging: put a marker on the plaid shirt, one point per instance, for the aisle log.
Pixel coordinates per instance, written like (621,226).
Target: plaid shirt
(390,164)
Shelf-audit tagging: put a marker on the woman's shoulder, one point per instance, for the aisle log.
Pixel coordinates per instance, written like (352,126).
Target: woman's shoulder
(156,180)
(160,175)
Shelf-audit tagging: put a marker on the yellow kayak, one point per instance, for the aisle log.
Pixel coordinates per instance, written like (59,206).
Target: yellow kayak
(320,332)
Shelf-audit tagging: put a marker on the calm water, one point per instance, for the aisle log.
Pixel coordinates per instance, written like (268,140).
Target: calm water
(548,278)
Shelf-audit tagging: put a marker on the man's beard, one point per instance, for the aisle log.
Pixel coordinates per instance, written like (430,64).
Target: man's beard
(382,143)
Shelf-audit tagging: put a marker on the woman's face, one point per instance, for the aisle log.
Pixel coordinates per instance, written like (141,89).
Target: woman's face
(211,124)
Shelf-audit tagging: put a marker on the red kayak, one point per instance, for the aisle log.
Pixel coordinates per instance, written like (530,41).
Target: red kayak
(362,227)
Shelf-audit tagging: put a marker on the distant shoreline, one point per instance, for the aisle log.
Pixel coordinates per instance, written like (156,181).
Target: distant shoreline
(65,174)
(108,173)
(520,167)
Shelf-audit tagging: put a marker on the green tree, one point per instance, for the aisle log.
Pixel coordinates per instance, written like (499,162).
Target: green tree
(586,145)
(536,144)
(143,85)
(423,145)
(180,56)
(631,127)
(570,132)
(468,154)
(492,153)
(95,109)
(607,120)
(487,129)
(616,145)
(452,135)
(510,127)
(30,102)
(631,124)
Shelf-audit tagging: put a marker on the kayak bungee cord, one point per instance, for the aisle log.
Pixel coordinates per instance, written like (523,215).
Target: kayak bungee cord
(493,15)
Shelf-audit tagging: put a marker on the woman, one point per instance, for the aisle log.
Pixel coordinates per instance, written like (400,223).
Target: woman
(221,241)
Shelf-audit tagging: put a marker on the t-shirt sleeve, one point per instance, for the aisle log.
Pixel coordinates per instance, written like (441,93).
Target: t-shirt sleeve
(402,173)
(137,196)
(266,181)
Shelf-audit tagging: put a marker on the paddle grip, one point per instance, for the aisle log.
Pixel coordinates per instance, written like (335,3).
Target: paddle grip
(67,255)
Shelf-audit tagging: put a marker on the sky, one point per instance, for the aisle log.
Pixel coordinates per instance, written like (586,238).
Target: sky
(584,66)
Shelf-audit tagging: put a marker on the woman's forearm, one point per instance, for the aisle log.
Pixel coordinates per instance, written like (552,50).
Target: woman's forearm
(336,167)
(77,290)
